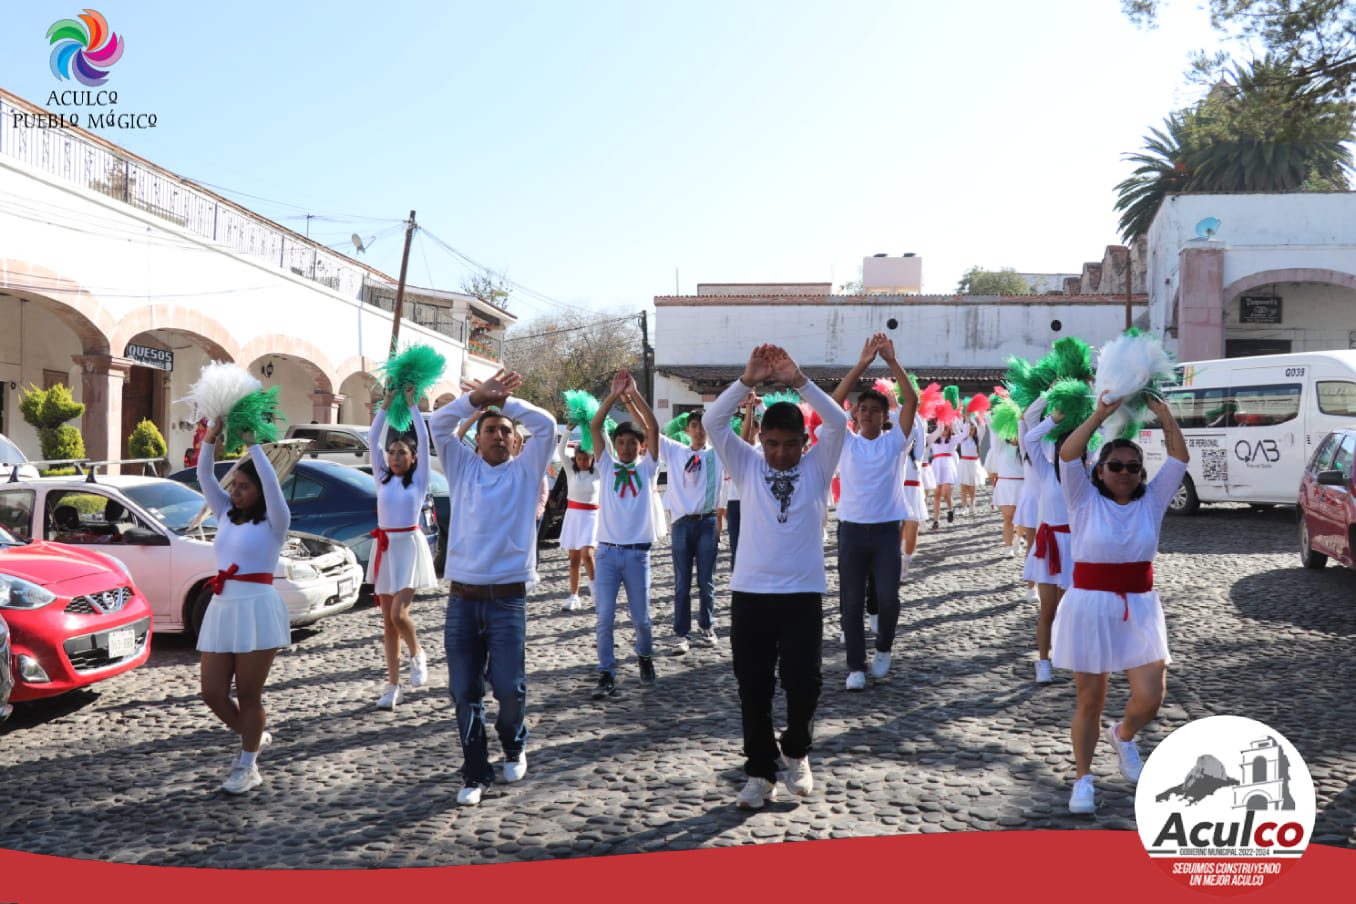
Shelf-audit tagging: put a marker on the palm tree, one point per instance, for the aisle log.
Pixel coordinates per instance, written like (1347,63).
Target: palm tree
(1163,170)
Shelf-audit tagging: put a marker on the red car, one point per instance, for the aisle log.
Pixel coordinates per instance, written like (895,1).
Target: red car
(1327,502)
(74,617)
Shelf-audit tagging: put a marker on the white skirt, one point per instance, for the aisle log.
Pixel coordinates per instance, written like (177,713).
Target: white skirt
(1038,570)
(944,469)
(243,619)
(659,516)
(970,472)
(1008,491)
(1028,507)
(406,564)
(917,502)
(580,529)
(1093,634)
(926,477)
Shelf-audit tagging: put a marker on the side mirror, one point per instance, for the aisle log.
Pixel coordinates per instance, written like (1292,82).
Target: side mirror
(143,536)
(1332,478)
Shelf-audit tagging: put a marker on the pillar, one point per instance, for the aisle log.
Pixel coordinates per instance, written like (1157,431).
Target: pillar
(325,406)
(1200,313)
(101,380)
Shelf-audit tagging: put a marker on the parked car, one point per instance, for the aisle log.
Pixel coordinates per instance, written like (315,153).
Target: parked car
(442,510)
(6,671)
(345,444)
(332,501)
(12,457)
(1327,502)
(160,531)
(74,617)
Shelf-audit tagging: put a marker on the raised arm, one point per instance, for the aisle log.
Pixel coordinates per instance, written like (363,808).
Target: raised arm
(423,476)
(737,455)
(541,424)
(374,446)
(908,407)
(446,430)
(218,500)
(467,423)
(869,351)
(749,409)
(619,383)
(784,370)
(279,515)
(1172,433)
(1076,443)
(640,409)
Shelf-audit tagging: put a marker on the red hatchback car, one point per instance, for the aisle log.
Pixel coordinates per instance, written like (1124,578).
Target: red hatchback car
(1327,502)
(74,617)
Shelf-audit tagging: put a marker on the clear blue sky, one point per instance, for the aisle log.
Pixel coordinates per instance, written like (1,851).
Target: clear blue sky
(590,149)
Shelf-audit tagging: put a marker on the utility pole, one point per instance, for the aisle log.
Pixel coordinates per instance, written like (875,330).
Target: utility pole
(1129,279)
(400,286)
(646,355)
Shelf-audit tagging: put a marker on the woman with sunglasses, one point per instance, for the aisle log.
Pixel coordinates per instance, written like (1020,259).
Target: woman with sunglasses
(1111,620)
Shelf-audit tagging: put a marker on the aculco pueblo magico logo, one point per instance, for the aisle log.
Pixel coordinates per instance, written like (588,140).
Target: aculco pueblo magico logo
(83,47)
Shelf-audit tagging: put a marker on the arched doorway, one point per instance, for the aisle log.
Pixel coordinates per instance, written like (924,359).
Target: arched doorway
(299,381)
(359,392)
(1258,802)
(165,362)
(1290,310)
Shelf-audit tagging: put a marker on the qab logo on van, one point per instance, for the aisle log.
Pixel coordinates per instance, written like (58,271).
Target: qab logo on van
(1225,804)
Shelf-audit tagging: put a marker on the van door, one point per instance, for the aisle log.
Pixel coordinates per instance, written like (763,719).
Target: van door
(1203,415)
(1267,445)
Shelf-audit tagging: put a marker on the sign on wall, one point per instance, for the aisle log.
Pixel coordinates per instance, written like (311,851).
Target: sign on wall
(1259,309)
(150,357)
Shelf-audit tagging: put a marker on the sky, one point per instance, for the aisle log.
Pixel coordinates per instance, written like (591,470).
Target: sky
(603,153)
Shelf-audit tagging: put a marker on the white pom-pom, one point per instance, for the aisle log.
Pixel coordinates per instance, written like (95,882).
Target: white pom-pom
(219,387)
(1127,366)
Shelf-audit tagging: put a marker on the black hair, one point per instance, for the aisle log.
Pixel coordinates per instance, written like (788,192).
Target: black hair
(1059,444)
(875,395)
(695,416)
(784,416)
(628,429)
(257,512)
(577,450)
(1109,447)
(408,476)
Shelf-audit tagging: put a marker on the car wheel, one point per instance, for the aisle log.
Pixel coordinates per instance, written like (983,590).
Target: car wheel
(1185,501)
(196,609)
(1308,557)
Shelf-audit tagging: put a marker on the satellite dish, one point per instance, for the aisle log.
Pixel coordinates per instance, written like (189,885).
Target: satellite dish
(1208,228)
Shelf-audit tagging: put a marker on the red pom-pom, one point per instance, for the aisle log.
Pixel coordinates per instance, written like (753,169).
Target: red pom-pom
(946,413)
(1001,390)
(978,405)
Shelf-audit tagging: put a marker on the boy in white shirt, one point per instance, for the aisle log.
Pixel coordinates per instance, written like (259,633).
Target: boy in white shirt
(778,583)
(693,495)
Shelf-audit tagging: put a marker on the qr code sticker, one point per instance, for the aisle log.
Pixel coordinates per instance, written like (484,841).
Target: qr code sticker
(1214,466)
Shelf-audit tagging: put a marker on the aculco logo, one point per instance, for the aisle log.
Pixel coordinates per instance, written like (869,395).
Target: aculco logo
(1227,835)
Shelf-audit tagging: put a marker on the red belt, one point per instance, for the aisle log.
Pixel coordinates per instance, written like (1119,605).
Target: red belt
(218,583)
(969,458)
(383,536)
(1119,578)
(1046,545)
(942,455)
(912,483)
(584,506)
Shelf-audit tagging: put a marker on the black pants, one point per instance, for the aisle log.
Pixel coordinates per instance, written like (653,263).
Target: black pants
(868,550)
(732,525)
(775,635)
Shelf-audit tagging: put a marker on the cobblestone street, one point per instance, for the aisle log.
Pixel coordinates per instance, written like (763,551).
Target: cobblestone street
(957,738)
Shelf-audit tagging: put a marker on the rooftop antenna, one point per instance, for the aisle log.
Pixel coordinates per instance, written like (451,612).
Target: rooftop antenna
(1208,228)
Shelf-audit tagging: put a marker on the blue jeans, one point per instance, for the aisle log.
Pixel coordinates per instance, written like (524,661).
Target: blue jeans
(614,568)
(694,539)
(477,630)
(868,556)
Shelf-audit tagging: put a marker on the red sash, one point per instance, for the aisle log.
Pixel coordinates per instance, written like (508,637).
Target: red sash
(218,583)
(1119,578)
(942,455)
(383,536)
(912,483)
(1047,547)
(969,458)
(584,506)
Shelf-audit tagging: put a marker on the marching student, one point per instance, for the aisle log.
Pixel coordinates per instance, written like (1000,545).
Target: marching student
(945,440)
(871,509)
(625,530)
(579,532)
(491,558)
(246,621)
(401,562)
(915,470)
(776,623)
(1006,470)
(1047,563)
(695,477)
(968,469)
(1111,619)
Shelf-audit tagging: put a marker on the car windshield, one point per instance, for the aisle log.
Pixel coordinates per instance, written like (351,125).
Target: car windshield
(171,503)
(351,476)
(11,454)
(8,539)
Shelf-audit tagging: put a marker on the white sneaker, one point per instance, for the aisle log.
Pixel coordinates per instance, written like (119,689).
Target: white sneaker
(880,664)
(514,771)
(875,624)
(392,696)
(797,777)
(593,594)
(1032,595)
(1084,796)
(1126,751)
(419,670)
(572,603)
(680,647)
(242,779)
(856,681)
(1044,671)
(265,739)
(755,793)
(709,635)
(469,796)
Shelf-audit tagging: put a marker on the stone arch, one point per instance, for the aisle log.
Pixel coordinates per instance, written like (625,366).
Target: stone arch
(1288,275)
(356,395)
(285,361)
(307,355)
(214,338)
(65,298)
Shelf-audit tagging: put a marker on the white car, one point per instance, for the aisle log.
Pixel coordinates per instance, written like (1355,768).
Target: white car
(147,524)
(12,458)
(345,444)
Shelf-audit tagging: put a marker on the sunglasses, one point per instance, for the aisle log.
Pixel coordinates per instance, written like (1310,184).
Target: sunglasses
(1115,467)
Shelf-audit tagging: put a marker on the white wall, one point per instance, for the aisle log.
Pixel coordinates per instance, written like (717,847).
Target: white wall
(31,340)
(1314,317)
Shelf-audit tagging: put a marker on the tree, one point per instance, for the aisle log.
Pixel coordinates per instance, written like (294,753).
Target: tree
(1162,171)
(852,287)
(48,410)
(489,287)
(146,441)
(571,351)
(1007,281)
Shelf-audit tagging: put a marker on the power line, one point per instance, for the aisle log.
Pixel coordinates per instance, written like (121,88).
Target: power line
(572,329)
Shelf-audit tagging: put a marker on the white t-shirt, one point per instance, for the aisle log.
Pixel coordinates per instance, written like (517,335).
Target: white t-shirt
(625,511)
(871,491)
(694,478)
(782,513)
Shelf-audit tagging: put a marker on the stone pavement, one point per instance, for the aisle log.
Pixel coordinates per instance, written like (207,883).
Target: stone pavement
(957,738)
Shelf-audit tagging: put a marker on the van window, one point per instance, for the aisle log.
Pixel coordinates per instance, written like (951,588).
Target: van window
(1324,453)
(1198,407)
(1337,397)
(1265,406)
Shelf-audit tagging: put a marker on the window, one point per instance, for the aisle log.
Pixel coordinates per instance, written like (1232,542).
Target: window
(16,513)
(1199,407)
(1265,406)
(1324,453)
(85,518)
(303,489)
(1346,453)
(344,442)
(1337,397)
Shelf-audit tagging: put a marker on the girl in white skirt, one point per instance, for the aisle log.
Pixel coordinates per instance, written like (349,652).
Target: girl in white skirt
(579,532)
(246,621)
(1111,620)
(944,442)
(1005,464)
(969,472)
(1027,517)
(401,563)
(1048,561)
(915,470)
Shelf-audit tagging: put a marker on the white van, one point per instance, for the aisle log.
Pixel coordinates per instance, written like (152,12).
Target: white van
(1251,424)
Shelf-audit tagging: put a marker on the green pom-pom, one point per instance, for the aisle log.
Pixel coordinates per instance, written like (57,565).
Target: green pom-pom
(913,381)
(676,429)
(1074,400)
(1133,332)
(1018,381)
(580,407)
(783,395)
(256,413)
(737,424)
(1004,417)
(1072,358)
(952,395)
(420,366)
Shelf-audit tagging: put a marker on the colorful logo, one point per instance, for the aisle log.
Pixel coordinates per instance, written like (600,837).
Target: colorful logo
(82,47)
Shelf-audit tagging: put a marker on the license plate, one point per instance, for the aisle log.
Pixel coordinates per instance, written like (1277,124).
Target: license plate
(345,587)
(121,643)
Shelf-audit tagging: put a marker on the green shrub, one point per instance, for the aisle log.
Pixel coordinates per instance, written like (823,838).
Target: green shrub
(48,410)
(146,441)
